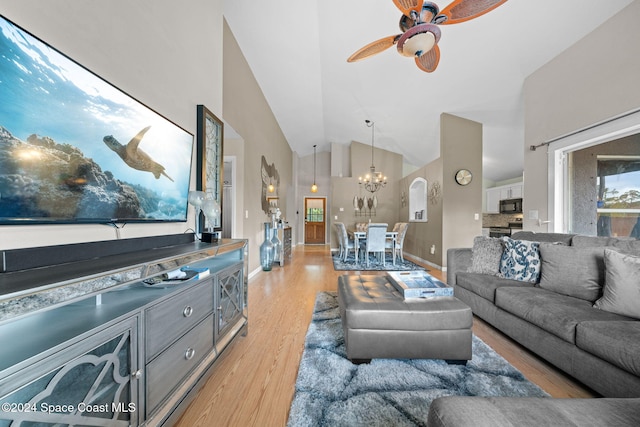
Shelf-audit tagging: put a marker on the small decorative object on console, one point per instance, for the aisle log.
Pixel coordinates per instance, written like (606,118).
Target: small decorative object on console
(418,284)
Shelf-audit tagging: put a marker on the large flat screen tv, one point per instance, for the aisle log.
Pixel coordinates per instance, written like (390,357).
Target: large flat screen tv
(75,149)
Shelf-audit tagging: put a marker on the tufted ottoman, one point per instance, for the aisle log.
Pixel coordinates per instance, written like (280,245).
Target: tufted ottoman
(379,323)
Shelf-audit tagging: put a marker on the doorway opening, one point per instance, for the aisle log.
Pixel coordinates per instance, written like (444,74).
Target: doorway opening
(229,197)
(315,220)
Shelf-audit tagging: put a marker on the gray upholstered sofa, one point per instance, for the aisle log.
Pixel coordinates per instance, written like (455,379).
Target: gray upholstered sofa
(455,411)
(581,313)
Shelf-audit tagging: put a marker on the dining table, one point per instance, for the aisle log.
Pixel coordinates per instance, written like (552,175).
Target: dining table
(361,236)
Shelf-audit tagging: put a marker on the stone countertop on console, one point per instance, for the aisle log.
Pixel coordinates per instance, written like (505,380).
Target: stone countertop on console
(23,292)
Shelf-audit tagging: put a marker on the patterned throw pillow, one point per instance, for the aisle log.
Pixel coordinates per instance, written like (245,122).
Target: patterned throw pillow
(520,260)
(486,255)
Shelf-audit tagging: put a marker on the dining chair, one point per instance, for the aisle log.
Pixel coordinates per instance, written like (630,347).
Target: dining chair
(345,242)
(376,240)
(402,231)
(340,241)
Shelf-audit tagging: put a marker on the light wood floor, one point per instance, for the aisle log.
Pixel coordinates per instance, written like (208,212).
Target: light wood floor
(253,380)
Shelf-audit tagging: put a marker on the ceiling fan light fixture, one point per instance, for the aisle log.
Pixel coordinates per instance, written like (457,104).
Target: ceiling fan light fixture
(418,40)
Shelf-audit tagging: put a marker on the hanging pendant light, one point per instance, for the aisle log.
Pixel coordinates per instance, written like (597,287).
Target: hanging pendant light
(373,181)
(314,187)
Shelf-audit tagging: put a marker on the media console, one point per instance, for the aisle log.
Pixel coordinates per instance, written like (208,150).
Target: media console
(92,344)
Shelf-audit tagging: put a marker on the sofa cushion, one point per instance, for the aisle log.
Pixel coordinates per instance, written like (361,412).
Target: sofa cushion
(486,255)
(467,411)
(485,285)
(531,236)
(624,244)
(621,293)
(520,260)
(573,271)
(617,342)
(550,311)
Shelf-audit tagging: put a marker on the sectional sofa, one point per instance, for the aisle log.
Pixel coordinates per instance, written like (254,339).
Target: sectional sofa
(573,300)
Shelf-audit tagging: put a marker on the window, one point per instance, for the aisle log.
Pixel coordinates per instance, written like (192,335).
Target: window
(315,215)
(618,201)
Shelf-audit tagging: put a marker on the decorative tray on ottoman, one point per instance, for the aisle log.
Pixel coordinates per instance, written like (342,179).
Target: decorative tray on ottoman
(418,284)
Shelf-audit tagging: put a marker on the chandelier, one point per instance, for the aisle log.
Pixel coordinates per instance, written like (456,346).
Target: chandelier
(372,181)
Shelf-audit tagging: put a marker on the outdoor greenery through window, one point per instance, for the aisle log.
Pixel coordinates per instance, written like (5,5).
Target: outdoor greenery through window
(618,184)
(315,214)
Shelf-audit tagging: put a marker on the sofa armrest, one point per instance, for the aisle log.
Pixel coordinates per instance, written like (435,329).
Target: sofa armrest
(458,260)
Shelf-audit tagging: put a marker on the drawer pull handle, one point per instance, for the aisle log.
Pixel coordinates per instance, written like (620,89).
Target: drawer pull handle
(189,354)
(188,311)
(136,375)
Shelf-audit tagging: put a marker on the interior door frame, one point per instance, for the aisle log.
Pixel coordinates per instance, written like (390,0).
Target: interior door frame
(304,219)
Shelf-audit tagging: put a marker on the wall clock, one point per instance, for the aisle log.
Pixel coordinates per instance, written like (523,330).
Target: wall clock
(463,177)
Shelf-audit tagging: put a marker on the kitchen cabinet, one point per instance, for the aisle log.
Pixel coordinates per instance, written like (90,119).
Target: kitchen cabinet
(495,194)
(493,200)
(513,191)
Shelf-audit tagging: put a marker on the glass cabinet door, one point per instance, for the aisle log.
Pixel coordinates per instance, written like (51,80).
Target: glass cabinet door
(94,384)
(230,296)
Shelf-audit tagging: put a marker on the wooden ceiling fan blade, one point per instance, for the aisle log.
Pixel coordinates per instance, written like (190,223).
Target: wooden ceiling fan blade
(374,48)
(406,6)
(428,62)
(465,10)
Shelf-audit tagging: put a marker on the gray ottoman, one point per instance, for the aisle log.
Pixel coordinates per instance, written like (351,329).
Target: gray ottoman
(379,323)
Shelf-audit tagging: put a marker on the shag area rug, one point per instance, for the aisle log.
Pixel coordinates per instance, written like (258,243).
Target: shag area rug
(331,391)
(351,265)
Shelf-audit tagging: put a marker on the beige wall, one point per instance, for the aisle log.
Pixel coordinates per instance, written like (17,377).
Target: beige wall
(305,180)
(167,56)
(421,236)
(247,111)
(451,222)
(592,81)
(345,188)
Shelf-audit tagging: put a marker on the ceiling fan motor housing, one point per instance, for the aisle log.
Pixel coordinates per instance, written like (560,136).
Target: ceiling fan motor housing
(418,40)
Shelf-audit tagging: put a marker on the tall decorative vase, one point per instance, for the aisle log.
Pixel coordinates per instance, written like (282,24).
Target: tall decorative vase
(267,251)
(277,245)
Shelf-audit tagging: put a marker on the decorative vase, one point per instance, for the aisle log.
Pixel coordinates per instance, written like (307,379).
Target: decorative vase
(277,245)
(267,251)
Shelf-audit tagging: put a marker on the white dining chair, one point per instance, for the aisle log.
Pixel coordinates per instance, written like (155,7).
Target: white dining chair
(376,240)
(346,243)
(402,231)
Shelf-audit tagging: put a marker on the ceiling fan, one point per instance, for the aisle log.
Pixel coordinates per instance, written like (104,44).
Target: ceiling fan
(420,31)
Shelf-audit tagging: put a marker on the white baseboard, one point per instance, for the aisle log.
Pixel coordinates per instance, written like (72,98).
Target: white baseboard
(424,261)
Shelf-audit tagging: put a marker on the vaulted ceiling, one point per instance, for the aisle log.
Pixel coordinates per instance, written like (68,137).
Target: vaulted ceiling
(297,52)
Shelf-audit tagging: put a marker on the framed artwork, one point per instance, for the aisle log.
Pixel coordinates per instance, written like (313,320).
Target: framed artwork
(210,162)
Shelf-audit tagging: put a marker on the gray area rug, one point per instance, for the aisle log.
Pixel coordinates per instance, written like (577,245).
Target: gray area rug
(374,265)
(331,391)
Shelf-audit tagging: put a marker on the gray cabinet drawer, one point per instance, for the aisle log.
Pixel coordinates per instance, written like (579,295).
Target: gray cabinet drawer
(170,319)
(169,369)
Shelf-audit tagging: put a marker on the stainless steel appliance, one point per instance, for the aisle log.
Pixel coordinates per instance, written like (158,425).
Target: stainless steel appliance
(505,231)
(499,231)
(511,206)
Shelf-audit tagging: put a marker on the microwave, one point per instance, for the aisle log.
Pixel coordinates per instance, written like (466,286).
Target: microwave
(511,206)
